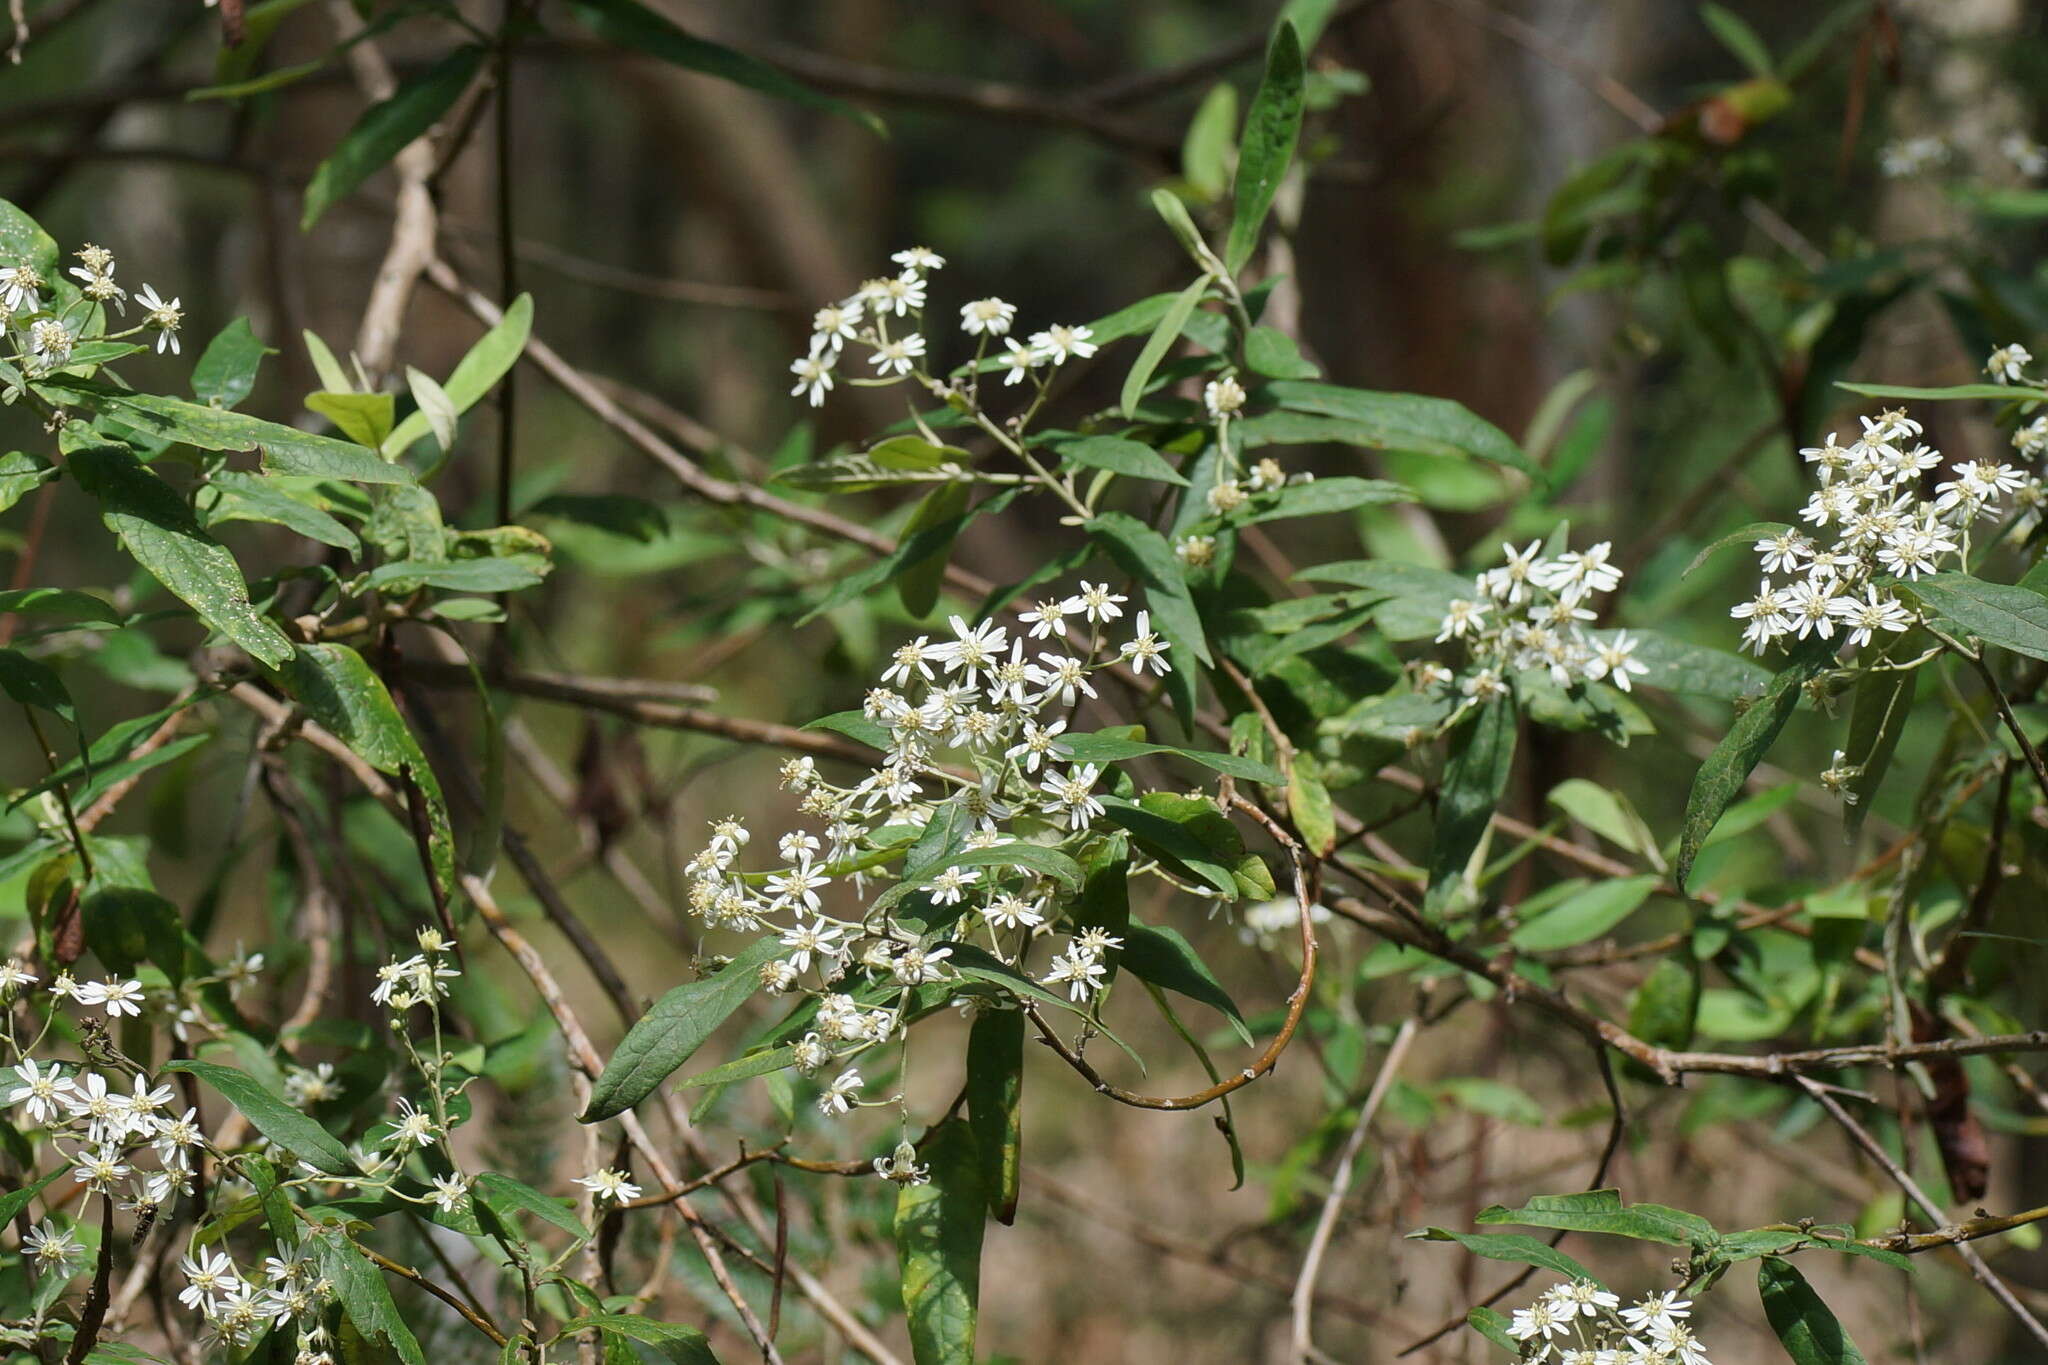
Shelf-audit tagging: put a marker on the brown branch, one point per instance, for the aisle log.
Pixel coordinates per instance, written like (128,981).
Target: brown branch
(405,1272)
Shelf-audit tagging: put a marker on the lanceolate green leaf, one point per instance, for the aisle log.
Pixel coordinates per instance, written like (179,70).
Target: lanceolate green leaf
(1398,421)
(387,127)
(157,528)
(1999,614)
(938,1247)
(364,1296)
(13,1203)
(285,450)
(226,372)
(1809,1331)
(666,1036)
(1482,752)
(1163,336)
(1721,777)
(1602,1211)
(669,1341)
(1877,717)
(1119,455)
(285,1126)
(1271,127)
(31,682)
(494,354)
(995,1087)
(634,27)
(1157,953)
(1585,915)
(1994,392)
(507,1196)
(1510,1246)
(1102,748)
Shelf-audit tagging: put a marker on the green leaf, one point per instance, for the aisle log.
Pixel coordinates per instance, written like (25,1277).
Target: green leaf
(364,418)
(1119,455)
(1173,841)
(285,450)
(1727,768)
(1738,37)
(1994,392)
(1169,207)
(506,1197)
(1046,862)
(499,573)
(1144,554)
(918,586)
(1878,710)
(1584,916)
(1397,421)
(21,474)
(995,1087)
(12,1203)
(1273,353)
(1999,614)
(291,1130)
(1475,777)
(754,1064)
(66,602)
(1309,805)
(938,1247)
(364,1296)
(1492,1325)
(31,682)
(127,925)
(22,240)
(665,1037)
(1665,1009)
(226,372)
(1163,336)
(669,1341)
(159,530)
(1158,954)
(432,403)
(337,687)
(1674,665)
(1509,1246)
(232,496)
(1266,148)
(634,27)
(388,127)
(1206,149)
(1603,1212)
(1109,748)
(332,376)
(1809,1331)
(487,362)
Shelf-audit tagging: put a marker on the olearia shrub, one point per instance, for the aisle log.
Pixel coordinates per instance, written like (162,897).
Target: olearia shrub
(1252,682)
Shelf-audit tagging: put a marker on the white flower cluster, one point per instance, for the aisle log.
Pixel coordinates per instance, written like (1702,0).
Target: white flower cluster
(42,321)
(863,318)
(1528,614)
(973,725)
(239,1312)
(1579,1323)
(1883,530)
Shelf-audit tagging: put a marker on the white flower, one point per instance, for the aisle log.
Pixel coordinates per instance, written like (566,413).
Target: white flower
(899,356)
(1079,972)
(208,1275)
(449,1191)
(1064,676)
(1059,343)
(412,1128)
(1460,618)
(303,1087)
(1071,796)
(819,939)
(1020,359)
(1197,552)
(44,1091)
(1511,582)
(609,1186)
(1614,659)
(117,996)
(915,966)
(919,258)
(1039,743)
(949,886)
(50,343)
(834,325)
(14,974)
(174,1138)
(1223,397)
(20,288)
(1784,552)
(1009,911)
(987,317)
(99,1171)
(1147,648)
(839,1096)
(105,1109)
(164,317)
(2008,364)
(1098,602)
(1046,618)
(813,376)
(973,648)
(1646,1313)
(51,1248)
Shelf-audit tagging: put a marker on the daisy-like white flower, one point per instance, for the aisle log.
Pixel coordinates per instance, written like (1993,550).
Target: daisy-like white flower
(1019,359)
(949,886)
(1197,552)
(1010,911)
(208,1275)
(1646,1313)
(898,356)
(1147,648)
(20,288)
(915,966)
(1064,677)
(116,996)
(973,649)
(609,1186)
(987,317)
(1059,343)
(1097,602)
(51,1248)
(99,1171)
(1868,614)
(1614,659)
(1081,973)
(919,258)
(1045,618)
(813,376)
(413,1128)
(800,883)
(835,324)
(450,1191)
(819,939)
(839,1096)
(14,973)
(1039,742)
(1072,796)
(164,318)
(1223,397)
(46,1091)
(1461,618)
(2008,364)
(50,343)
